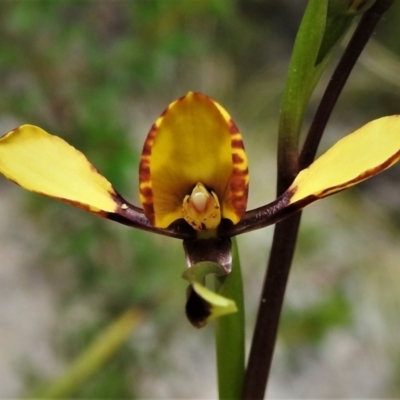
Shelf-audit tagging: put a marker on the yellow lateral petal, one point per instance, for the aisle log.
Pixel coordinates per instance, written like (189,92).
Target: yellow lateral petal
(48,165)
(193,141)
(358,156)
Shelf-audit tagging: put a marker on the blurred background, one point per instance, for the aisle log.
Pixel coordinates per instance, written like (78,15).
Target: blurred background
(98,73)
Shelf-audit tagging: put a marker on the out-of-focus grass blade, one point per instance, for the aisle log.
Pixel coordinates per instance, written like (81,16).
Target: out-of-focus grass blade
(92,359)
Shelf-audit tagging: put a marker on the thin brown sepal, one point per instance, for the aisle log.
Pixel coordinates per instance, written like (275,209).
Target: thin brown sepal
(130,215)
(261,217)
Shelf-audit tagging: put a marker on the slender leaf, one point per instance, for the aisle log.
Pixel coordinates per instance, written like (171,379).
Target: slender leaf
(230,335)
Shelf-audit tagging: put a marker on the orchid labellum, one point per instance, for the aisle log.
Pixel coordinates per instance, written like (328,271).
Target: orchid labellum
(193,179)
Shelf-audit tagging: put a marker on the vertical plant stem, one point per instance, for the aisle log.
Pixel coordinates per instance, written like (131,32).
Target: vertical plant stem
(264,337)
(230,334)
(285,234)
(302,78)
(303,75)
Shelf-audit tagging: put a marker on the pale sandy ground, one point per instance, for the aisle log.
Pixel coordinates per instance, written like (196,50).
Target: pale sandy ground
(27,314)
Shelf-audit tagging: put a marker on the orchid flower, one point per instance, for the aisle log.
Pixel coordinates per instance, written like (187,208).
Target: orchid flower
(193,182)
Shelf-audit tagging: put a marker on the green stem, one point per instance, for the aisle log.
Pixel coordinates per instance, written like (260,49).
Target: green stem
(230,334)
(303,75)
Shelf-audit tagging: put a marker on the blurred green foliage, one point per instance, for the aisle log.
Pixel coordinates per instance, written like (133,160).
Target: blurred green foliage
(98,73)
(309,326)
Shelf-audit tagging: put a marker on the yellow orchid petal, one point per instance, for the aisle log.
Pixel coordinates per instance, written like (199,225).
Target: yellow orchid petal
(193,141)
(358,156)
(48,165)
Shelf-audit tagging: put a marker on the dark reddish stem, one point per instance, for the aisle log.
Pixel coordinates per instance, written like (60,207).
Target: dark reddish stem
(285,234)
